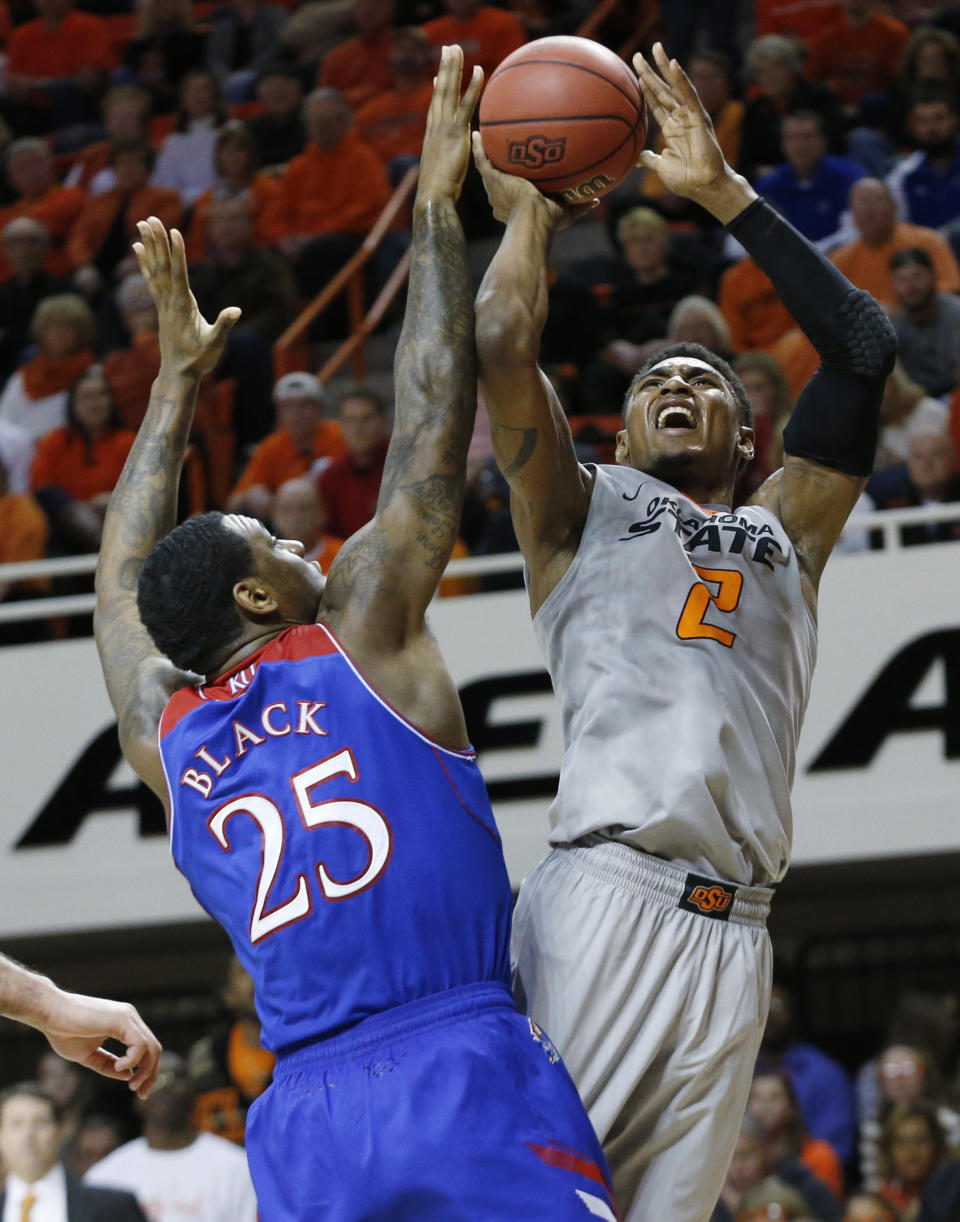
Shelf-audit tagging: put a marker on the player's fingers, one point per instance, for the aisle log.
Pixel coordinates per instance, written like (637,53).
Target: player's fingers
(649,160)
(445,91)
(178,259)
(683,88)
(226,320)
(144,250)
(469,103)
(161,243)
(105,1063)
(656,93)
(140,1066)
(575,212)
(479,153)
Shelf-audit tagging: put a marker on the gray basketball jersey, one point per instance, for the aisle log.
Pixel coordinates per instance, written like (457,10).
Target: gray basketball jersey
(681,649)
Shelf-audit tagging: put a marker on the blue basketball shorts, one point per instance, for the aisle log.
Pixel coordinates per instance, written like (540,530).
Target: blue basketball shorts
(453,1107)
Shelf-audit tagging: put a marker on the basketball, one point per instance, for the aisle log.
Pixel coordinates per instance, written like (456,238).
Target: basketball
(565,113)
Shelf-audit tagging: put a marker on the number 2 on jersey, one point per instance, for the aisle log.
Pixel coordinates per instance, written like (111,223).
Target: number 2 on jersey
(344,812)
(691,624)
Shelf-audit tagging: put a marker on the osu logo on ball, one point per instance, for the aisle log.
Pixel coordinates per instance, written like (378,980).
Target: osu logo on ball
(710,899)
(536,151)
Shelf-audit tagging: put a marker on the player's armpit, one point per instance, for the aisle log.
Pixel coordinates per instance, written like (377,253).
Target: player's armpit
(814,502)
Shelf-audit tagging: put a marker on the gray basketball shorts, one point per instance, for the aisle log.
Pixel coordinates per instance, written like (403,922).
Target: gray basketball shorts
(653,983)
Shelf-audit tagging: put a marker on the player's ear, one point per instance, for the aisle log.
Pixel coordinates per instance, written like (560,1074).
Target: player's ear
(622,452)
(255,597)
(746,442)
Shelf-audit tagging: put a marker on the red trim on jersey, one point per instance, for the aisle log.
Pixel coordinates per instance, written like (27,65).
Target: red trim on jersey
(292,645)
(570,1160)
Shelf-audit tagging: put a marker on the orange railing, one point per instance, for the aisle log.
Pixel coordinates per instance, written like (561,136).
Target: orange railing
(291,349)
(645,16)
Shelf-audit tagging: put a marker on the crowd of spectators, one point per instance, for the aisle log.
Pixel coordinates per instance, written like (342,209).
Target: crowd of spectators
(273,135)
(817,1144)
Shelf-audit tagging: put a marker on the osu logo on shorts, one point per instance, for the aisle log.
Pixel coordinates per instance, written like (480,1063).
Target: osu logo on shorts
(536,151)
(707,897)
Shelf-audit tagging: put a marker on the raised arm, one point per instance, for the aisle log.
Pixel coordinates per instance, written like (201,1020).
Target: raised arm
(532,443)
(143,506)
(76,1026)
(383,579)
(831,436)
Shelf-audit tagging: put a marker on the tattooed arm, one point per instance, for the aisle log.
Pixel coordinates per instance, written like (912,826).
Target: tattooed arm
(549,489)
(382,580)
(142,508)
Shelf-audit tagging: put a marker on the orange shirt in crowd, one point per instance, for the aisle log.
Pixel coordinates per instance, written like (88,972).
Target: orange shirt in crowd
(754,312)
(99,212)
(359,68)
(5,26)
(81,41)
(858,61)
(64,459)
(868,267)
(797,357)
(821,1158)
(260,192)
(394,123)
(486,38)
(337,190)
(23,529)
(726,127)
(56,210)
(276,459)
(802,18)
(326,551)
(131,372)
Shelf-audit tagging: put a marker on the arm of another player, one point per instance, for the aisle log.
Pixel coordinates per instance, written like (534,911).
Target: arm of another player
(549,489)
(385,576)
(143,506)
(831,436)
(76,1026)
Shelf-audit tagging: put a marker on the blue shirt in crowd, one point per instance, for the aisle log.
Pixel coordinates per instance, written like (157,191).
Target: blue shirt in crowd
(926,195)
(814,207)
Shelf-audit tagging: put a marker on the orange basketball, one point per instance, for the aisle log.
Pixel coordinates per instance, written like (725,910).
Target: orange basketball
(567,114)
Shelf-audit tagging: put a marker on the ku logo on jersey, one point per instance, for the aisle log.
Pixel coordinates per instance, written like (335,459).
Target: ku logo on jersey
(731,533)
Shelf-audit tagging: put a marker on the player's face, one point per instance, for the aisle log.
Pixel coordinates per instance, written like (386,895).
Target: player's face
(297,584)
(682,418)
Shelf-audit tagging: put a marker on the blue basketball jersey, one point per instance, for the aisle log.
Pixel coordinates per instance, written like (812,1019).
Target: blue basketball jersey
(354,863)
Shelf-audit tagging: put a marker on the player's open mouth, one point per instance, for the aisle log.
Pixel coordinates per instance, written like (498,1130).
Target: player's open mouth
(675,416)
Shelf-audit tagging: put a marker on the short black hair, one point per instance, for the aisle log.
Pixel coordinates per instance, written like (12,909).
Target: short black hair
(911,256)
(185,591)
(808,116)
(700,353)
(30,1090)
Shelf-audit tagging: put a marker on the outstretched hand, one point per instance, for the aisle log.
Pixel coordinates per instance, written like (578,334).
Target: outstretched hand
(446,145)
(691,161)
(188,343)
(508,192)
(76,1027)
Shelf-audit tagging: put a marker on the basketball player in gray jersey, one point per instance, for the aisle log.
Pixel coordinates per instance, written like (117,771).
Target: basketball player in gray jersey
(680,635)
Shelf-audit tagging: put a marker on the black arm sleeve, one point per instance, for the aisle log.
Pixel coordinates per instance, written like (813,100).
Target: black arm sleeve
(836,419)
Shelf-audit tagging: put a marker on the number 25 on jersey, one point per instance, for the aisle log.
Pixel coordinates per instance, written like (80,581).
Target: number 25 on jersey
(345,812)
